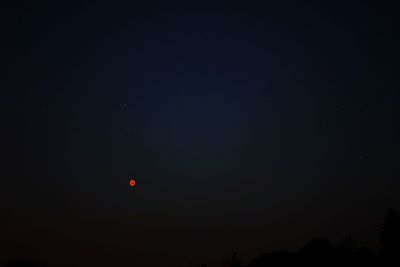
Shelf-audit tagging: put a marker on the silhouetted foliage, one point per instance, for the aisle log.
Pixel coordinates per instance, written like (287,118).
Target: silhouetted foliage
(390,238)
(279,258)
(317,252)
(321,252)
(234,261)
(22,263)
(347,246)
(347,253)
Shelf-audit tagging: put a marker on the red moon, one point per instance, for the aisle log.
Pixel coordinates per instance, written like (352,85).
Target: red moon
(132,183)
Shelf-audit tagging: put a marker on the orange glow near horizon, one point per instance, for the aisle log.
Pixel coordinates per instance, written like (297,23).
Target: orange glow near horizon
(132,182)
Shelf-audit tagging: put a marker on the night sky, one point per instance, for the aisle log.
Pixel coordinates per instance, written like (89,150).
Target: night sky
(249,127)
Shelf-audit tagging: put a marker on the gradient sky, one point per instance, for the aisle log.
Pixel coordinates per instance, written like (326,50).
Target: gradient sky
(249,127)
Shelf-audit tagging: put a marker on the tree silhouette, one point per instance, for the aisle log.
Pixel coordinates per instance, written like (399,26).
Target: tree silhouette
(348,253)
(347,246)
(22,263)
(317,252)
(234,261)
(274,259)
(390,238)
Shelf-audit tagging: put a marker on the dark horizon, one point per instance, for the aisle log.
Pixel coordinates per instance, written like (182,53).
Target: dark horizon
(316,252)
(248,127)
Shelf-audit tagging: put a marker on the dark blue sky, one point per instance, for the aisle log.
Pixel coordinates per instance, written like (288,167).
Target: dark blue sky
(249,127)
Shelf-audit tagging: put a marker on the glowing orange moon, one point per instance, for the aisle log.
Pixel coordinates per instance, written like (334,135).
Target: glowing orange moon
(132,183)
